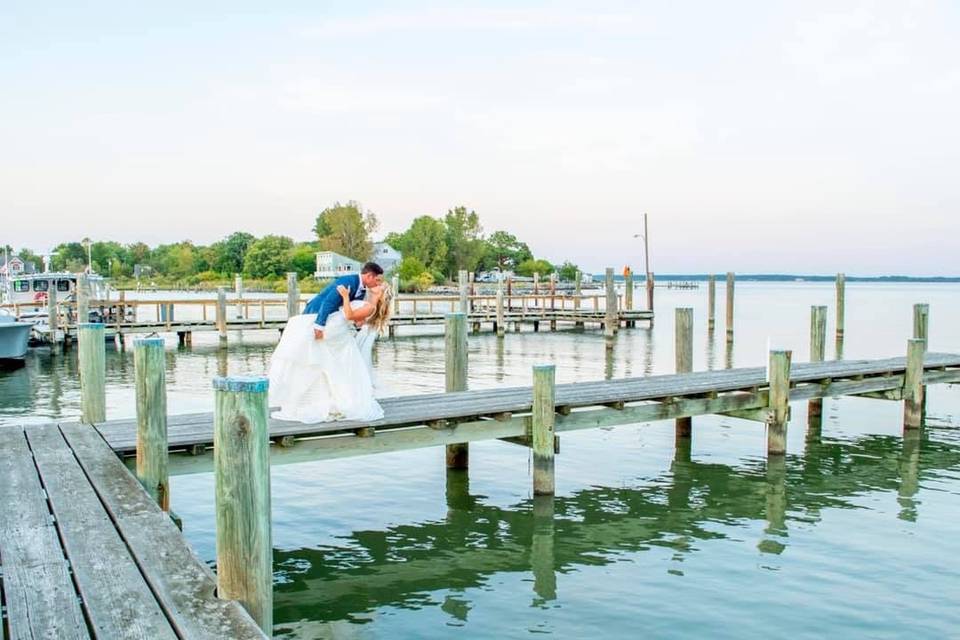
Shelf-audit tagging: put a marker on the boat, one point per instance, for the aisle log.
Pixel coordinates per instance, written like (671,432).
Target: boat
(14,337)
(27,295)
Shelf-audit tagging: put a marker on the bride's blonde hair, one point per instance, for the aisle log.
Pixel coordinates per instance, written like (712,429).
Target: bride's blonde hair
(380,317)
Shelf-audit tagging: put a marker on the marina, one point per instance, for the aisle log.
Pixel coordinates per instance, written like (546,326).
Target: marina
(518,415)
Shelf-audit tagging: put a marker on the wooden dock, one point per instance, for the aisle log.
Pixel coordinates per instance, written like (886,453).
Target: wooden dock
(86,553)
(450,418)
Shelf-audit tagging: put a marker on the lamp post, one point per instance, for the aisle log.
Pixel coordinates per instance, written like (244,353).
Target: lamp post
(88,245)
(646,261)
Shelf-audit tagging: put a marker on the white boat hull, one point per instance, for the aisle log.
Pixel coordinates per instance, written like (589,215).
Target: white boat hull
(14,337)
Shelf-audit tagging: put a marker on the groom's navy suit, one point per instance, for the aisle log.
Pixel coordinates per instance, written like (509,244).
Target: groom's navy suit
(329,300)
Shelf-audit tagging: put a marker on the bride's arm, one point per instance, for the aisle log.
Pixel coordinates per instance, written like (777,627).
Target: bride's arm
(360,313)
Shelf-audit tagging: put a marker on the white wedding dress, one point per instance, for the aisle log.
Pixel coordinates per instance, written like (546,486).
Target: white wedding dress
(324,380)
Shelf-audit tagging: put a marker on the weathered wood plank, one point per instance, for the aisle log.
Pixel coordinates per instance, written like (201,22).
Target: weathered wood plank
(22,501)
(184,585)
(413,410)
(39,595)
(118,602)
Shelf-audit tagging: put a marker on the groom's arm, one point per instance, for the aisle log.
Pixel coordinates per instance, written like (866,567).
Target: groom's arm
(331,302)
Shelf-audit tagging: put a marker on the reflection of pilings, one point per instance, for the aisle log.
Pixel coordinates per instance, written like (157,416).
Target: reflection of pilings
(222,362)
(728,355)
(711,350)
(648,348)
(476,540)
(541,548)
(909,468)
(776,506)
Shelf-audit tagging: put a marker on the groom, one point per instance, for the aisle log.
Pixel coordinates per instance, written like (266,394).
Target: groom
(329,300)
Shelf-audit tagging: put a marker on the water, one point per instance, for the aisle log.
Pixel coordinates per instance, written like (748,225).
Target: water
(856,535)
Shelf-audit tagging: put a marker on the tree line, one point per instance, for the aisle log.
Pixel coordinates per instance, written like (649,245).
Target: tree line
(434,250)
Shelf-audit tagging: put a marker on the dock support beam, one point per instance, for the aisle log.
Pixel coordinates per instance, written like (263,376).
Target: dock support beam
(779,373)
(921,328)
(222,314)
(628,290)
(542,428)
(501,317)
(242,478)
(730,286)
(610,306)
(151,393)
(683,350)
(83,299)
(455,351)
(711,302)
(913,390)
(395,285)
(841,304)
(464,292)
(293,295)
(53,320)
(93,357)
(818,340)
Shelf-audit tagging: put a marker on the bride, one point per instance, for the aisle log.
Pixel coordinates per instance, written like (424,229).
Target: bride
(330,379)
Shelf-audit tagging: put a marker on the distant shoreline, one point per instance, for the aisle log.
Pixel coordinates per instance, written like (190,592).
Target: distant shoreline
(783,277)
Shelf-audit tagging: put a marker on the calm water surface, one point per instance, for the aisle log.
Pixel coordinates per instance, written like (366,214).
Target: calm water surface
(856,535)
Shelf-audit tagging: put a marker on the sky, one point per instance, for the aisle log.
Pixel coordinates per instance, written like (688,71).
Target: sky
(758,136)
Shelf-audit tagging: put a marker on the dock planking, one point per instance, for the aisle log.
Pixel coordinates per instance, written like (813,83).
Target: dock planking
(490,413)
(86,554)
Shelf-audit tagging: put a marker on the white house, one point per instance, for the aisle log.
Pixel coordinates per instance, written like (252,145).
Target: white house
(386,256)
(14,266)
(334,265)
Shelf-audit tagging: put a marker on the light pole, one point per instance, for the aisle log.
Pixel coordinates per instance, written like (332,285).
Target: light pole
(646,261)
(88,245)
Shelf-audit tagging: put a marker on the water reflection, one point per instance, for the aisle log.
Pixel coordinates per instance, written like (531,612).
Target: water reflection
(690,503)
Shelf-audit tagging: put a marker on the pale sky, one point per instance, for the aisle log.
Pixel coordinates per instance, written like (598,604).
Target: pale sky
(809,136)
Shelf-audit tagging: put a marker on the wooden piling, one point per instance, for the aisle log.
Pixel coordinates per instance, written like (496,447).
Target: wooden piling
(711,302)
(464,292)
(542,428)
(222,314)
(93,357)
(501,316)
(238,290)
(536,282)
(242,479)
(921,321)
(683,349)
(779,372)
(730,287)
(610,315)
(628,290)
(913,389)
(83,299)
(395,285)
(818,340)
(841,304)
(151,393)
(455,351)
(293,294)
(53,319)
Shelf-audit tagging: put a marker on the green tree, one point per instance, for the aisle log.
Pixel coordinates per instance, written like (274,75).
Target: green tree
(346,229)
(268,256)
(529,267)
(303,259)
(502,251)
(228,254)
(568,271)
(425,240)
(464,240)
(410,268)
(68,256)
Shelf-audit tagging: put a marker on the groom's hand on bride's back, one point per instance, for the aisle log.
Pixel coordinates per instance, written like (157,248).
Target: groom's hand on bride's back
(317,334)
